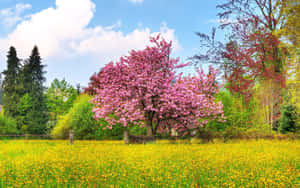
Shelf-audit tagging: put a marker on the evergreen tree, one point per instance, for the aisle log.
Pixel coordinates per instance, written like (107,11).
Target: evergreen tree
(11,92)
(34,118)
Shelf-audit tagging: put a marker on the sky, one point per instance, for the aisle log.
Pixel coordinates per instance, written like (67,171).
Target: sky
(78,37)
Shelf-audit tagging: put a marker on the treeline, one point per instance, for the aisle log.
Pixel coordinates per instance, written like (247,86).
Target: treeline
(28,107)
(23,92)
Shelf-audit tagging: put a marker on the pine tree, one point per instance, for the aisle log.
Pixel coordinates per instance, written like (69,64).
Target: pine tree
(34,117)
(11,84)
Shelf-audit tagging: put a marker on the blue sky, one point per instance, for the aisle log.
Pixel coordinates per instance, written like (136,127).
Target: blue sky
(78,37)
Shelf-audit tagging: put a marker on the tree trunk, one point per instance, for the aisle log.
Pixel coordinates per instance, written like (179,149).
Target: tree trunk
(126,137)
(149,128)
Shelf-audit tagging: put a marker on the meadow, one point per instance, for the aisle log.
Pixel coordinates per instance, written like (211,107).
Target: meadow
(257,163)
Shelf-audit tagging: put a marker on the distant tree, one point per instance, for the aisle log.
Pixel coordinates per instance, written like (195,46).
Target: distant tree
(11,83)
(60,98)
(93,84)
(33,80)
(78,88)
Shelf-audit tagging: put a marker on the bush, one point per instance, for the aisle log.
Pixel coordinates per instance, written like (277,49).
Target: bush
(206,134)
(234,133)
(62,128)
(8,125)
(288,120)
(237,113)
(81,119)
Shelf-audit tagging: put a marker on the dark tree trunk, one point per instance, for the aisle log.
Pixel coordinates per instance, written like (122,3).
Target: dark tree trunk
(149,128)
(149,125)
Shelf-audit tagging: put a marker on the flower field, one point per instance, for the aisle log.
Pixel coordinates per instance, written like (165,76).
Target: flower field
(259,163)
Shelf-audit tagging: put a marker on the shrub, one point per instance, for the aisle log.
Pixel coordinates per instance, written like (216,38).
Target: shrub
(62,128)
(288,120)
(8,125)
(234,133)
(206,134)
(81,119)
(237,113)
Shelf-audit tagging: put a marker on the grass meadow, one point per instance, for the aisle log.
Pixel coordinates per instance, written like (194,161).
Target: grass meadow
(257,163)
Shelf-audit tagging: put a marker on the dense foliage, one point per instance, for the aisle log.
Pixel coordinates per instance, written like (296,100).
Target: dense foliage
(289,121)
(60,98)
(11,84)
(32,75)
(8,125)
(260,57)
(80,118)
(23,90)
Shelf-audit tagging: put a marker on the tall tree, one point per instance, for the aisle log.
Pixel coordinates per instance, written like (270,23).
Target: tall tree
(11,83)
(291,31)
(60,98)
(33,80)
(254,52)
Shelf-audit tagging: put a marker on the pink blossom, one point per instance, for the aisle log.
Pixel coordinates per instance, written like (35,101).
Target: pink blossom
(143,89)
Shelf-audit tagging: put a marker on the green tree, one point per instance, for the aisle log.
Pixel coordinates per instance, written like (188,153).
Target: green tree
(288,120)
(291,31)
(24,108)
(80,118)
(11,84)
(238,114)
(8,125)
(33,79)
(60,98)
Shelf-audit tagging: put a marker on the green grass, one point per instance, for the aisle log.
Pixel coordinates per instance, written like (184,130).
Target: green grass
(112,164)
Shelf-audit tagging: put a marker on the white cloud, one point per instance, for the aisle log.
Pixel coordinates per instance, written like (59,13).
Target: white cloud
(136,1)
(10,16)
(221,21)
(63,32)
(109,44)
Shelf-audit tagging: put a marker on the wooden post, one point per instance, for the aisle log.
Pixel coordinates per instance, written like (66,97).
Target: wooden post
(71,137)
(26,137)
(126,137)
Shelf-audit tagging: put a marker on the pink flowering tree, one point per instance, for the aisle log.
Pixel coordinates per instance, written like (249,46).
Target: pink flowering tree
(190,103)
(142,89)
